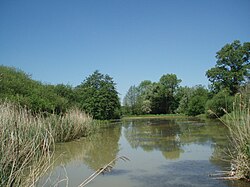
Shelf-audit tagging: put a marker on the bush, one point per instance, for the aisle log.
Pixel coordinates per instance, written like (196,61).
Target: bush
(218,104)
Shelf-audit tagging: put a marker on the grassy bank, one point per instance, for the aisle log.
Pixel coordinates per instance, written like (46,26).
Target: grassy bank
(154,116)
(27,141)
(238,123)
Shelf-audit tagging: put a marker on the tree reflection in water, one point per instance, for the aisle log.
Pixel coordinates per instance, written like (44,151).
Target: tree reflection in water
(169,136)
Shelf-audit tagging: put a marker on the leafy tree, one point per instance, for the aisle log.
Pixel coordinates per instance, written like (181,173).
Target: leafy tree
(220,102)
(98,96)
(135,101)
(67,92)
(183,97)
(232,68)
(130,100)
(197,101)
(157,99)
(170,83)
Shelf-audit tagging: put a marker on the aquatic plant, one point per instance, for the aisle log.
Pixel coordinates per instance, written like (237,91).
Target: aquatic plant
(238,123)
(27,141)
(25,146)
(72,125)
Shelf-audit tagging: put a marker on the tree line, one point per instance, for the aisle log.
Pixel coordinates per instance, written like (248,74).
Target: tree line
(97,94)
(229,76)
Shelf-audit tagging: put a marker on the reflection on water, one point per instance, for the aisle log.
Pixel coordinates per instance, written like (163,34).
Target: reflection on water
(177,152)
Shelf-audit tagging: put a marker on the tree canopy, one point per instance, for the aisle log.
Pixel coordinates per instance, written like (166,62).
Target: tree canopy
(232,68)
(153,98)
(97,95)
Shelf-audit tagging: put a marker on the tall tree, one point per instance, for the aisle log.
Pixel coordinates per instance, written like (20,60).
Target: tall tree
(98,96)
(232,68)
(170,83)
(130,100)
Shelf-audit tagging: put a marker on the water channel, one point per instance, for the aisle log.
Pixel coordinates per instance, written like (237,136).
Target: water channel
(162,152)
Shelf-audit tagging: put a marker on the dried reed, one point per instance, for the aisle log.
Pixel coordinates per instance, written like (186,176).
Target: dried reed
(107,168)
(25,146)
(238,123)
(27,141)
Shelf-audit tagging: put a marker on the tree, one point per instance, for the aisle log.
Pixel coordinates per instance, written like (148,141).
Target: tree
(170,83)
(130,100)
(157,99)
(232,67)
(98,96)
(197,101)
(135,101)
(183,96)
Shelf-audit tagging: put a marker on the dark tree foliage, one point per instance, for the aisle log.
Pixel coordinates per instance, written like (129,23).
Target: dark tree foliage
(232,68)
(97,95)
(157,99)
(170,83)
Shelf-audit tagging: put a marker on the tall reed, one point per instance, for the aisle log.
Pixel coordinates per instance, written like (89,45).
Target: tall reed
(25,146)
(27,141)
(74,124)
(238,123)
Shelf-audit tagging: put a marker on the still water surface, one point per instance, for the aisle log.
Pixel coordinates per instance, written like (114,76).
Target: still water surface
(162,152)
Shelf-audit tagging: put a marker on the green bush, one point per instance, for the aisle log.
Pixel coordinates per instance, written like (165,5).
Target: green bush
(18,87)
(220,102)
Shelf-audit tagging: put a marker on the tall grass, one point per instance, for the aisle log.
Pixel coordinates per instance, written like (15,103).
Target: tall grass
(238,123)
(74,124)
(27,141)
(25,146)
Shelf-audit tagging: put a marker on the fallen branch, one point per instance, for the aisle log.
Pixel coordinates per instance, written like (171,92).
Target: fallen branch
(107,168)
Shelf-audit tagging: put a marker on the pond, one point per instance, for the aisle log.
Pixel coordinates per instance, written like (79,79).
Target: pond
(162,152)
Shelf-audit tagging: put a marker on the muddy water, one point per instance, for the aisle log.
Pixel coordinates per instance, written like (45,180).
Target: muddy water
(176,152)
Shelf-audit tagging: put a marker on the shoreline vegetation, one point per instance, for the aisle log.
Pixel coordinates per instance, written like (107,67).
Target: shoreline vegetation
(154,116)
(28,141)
(238,123)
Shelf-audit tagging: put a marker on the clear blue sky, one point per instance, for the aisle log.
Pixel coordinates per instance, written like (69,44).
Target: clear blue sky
(64,41)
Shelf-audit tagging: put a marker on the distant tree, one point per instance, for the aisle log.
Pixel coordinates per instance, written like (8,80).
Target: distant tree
(130,100)
(232,68)
(197,101)
(157,98)
(135,101)
(98,96)
(183,97)
(170,83)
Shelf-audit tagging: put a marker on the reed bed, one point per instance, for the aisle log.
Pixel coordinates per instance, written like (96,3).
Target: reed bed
(27,141)
(238,123)
(72,125)
(25,146)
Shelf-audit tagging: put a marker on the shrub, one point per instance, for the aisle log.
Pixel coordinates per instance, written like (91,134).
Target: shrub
(218,104)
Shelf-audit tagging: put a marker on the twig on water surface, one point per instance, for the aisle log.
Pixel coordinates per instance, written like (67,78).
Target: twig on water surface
(107,168)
